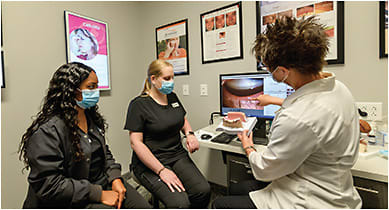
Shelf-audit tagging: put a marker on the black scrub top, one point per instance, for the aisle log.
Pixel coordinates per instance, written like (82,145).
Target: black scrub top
(160,125)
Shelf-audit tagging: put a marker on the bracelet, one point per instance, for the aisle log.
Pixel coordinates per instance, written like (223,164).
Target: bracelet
(160,170)
(249,147)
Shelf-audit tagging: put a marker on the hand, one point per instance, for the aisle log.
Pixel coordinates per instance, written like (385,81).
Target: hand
(169,49)
(265,100)
(117,186)
(192,143)
(170,178)
(246,140)
(109,197)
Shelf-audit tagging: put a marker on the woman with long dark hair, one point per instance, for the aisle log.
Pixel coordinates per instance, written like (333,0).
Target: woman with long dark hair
(70,164)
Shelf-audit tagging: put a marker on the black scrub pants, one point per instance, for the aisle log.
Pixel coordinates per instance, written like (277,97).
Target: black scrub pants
(239,196)
(133,200)
(197,190)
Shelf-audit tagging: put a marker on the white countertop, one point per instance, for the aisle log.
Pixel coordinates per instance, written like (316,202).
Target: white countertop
(373,167)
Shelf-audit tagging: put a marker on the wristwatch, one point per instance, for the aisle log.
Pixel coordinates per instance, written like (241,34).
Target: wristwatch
(189,133)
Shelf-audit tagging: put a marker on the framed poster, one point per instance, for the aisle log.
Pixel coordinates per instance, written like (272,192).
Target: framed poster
(329,13)
(172,45)
(87,43)
(221,34)
(2,70)
(383,29)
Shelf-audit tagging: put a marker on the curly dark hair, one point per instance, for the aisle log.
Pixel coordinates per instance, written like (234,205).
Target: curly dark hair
(61,101)
(291,43)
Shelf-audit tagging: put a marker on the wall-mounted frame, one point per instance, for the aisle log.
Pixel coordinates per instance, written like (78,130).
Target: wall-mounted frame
(221,34)
(2,70)
(87,42)
(329,13)
(383,29)
(172,45)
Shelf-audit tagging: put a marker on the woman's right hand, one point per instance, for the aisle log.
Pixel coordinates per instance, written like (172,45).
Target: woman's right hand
(110,198)
(264,100)
(169,49)
(171,179)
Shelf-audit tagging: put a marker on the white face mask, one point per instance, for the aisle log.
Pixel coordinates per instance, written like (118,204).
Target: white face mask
(283,80)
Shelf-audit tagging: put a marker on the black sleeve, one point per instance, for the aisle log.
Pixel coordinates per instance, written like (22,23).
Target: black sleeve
(176,99)
(135,117)
(46,159)
(112,169)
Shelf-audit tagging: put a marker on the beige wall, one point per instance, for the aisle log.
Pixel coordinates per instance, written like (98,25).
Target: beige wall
(34,47)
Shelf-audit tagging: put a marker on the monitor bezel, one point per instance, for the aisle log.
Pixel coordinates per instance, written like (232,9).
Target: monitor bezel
(237,74)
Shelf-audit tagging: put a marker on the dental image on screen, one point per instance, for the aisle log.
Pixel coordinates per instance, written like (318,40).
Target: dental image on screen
(239,93)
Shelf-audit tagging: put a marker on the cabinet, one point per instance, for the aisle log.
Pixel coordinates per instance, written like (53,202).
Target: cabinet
(238,169)
(374,194)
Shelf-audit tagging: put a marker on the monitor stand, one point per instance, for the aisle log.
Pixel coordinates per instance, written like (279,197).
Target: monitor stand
(259,132)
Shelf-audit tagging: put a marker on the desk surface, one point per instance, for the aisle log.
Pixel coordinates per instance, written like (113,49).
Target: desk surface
(373,167)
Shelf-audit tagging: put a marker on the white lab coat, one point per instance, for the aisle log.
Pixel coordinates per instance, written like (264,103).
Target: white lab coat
(313,145)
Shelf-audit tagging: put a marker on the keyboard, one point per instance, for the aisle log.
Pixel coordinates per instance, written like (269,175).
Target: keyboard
(223,138)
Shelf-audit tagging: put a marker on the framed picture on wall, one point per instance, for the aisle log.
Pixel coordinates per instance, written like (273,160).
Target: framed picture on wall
(172,45)
(221,34)
(329,13)
(2,70)
(383,29)
(87,42)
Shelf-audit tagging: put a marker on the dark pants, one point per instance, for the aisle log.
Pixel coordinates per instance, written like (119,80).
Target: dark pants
(133,200)
(198,191)
(239,196)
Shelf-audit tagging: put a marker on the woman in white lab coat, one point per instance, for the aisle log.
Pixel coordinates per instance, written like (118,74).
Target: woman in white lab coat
(314,138)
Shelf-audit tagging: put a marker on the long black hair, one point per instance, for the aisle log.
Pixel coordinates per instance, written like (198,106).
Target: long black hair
(61,101)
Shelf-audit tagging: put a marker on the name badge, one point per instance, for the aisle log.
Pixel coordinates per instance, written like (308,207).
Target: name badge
(175,104)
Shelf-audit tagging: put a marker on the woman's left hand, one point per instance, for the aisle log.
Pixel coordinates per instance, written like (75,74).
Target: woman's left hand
(192,143)
(246,140)
(117,186)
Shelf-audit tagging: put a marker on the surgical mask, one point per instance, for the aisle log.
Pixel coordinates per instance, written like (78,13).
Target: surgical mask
(166,87)
(283,80)
(89,98)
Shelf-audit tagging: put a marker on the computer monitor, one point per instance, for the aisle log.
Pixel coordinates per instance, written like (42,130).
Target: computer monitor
(237,92)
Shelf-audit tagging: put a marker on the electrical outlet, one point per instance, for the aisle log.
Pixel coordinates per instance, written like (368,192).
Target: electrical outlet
(374,110)
(185,89)
(203,89)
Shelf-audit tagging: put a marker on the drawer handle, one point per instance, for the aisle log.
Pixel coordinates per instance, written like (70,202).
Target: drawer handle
(241,163)
(233,181)
(366,189)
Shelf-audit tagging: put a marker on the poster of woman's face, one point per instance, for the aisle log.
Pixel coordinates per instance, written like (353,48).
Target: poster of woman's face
(87,43)
(83,44)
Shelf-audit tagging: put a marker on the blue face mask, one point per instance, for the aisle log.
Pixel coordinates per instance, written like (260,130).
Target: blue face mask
(89,98)
(167,87)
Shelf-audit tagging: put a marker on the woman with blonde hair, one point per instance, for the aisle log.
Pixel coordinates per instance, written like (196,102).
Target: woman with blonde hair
(160,162)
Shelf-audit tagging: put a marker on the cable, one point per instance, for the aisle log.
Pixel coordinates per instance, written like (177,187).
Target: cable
(212,114)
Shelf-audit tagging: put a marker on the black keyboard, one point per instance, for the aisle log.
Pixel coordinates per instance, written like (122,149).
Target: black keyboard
(223,138)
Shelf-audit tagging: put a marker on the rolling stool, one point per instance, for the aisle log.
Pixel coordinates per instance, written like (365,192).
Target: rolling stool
(154,199)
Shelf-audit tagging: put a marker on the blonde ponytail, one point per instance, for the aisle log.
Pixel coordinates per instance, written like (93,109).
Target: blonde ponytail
(154,69)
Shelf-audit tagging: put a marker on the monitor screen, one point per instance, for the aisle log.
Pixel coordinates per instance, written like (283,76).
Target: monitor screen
(237,92)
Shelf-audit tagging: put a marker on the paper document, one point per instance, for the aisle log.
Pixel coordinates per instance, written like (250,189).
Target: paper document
(249,125)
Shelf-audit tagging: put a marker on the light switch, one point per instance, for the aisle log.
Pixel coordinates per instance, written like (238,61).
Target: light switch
(203,89)
(185,89)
